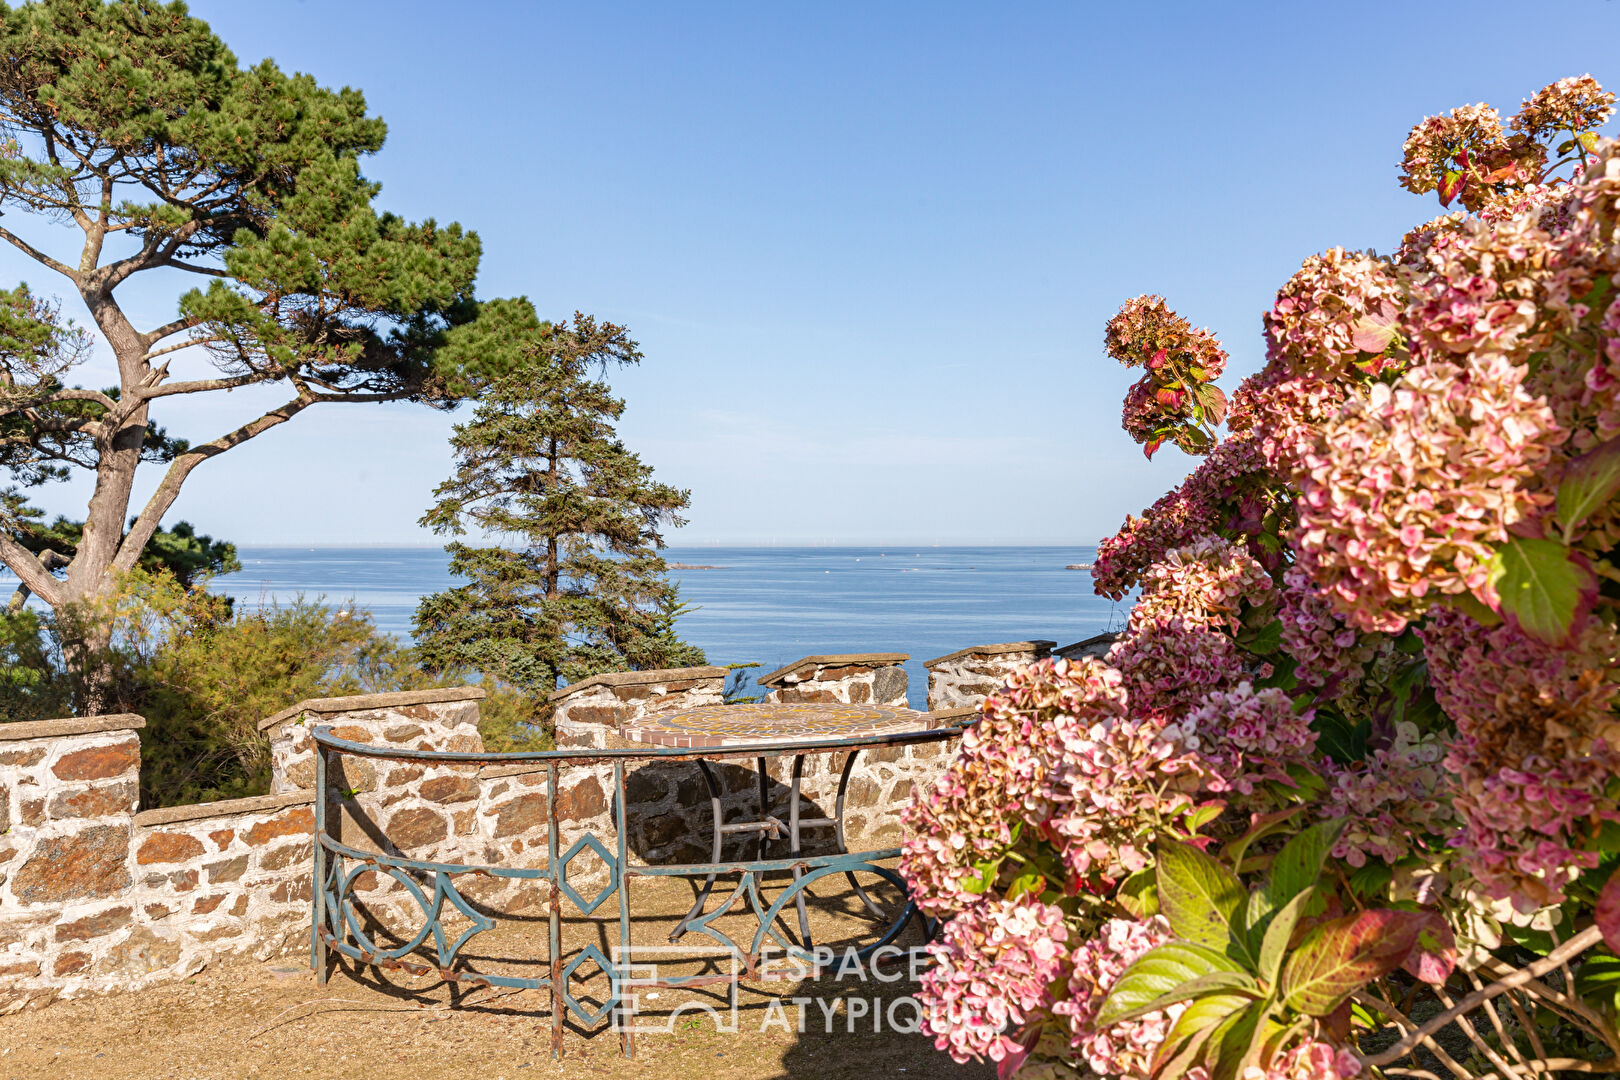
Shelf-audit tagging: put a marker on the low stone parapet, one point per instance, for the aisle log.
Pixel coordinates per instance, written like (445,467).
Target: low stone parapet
(95,896)
(590,711)
(966,677)
(844,678)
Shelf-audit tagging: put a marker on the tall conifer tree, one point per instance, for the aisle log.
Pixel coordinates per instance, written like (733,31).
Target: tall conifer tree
(573,583)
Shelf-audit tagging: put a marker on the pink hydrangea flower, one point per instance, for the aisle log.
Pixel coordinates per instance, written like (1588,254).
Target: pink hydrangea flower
(994,964)
(1122,1050)
(1328,654)
(1338,309)
(1405,495)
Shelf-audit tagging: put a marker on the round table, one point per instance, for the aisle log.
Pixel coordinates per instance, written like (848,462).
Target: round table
(790,724)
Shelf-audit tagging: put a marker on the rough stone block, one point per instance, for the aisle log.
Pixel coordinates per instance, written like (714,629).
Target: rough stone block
(84,865)
(167,847)
(99,762)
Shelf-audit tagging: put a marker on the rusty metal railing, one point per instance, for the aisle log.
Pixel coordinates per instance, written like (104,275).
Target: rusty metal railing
(338,927)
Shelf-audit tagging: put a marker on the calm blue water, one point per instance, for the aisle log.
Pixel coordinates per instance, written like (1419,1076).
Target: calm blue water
(770,605)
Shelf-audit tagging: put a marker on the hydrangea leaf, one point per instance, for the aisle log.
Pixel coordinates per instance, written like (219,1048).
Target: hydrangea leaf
(1201,899)
(1279,930)
(1589,481)
(1607,912)
(1541,585)
(1340,956)
(1299,864)
(1434,955)
(1193,1029)
(1175,971)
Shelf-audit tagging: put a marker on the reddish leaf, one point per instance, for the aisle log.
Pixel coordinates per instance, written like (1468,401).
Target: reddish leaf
(1434,955)
(1607,914)
(1215,404)
(1375,330)
(1152,447)
(1340,956)
(1451,187)
(1168,397)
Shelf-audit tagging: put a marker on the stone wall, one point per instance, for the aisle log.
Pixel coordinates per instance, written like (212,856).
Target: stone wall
(964,678)
(94,896)
(849,678)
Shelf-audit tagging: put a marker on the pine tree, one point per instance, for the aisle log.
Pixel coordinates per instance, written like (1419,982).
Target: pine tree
(582,588)
(137,151)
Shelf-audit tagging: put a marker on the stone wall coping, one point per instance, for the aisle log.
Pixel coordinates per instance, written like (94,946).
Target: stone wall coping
(952,716)
(357,702)
(1107,637)
(256,804)
(876,659)
(993,650)
(638,678)
(72,725)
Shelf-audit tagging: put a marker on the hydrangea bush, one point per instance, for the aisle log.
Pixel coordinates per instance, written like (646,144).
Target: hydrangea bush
(1356,750)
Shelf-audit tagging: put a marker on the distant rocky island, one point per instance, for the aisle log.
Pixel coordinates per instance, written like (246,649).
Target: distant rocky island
(693,566)
(1078,566)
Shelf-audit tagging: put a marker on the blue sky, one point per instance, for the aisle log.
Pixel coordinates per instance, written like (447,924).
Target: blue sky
(868,249)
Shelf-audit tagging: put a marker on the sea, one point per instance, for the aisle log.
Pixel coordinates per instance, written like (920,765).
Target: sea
(765,605)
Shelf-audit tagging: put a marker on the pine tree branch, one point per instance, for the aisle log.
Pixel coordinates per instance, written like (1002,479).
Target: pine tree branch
(29,570)
(129,551)
(37,255)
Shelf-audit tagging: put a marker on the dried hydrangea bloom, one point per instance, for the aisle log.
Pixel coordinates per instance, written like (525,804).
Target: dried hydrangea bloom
(1514,696)
(1338,309)
(1207,583)
(1226,484)
(1328,654)
(1146,333)
(1120,786)
(1574,104)
(1527,831)
(1393,802)
(994,964)
(1170,666)
(1003,774)
(1279,414)
(1122,1050)
(1404,495)
(1247,737)
(1310,1060)
(1434,142)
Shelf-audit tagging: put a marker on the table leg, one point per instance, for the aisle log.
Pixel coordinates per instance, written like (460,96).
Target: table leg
(708,882)
(793,846)
(838,824)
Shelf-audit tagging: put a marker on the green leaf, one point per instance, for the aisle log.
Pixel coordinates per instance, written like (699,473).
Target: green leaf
(1261,826)
(1299,864)
(1338,738)
(1200,898)
(1370,879)
(1342,955)
(1589,481)
(1167,974)
(1542,586)
(1139,894)
(1264,641)
(1193,1029)
(1598,980)
(1279,931)
(1241,1043)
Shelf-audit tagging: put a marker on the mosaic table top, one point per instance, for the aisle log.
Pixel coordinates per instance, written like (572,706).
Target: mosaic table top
(734,725)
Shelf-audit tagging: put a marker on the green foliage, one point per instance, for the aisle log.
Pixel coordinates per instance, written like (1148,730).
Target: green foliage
(1250,965)
(1543,585)
(206,686)
(583,590)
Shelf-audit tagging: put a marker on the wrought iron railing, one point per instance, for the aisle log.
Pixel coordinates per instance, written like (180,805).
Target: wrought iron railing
(339,925)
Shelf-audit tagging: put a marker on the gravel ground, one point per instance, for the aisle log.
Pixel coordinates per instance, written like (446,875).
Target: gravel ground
(242,1019)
